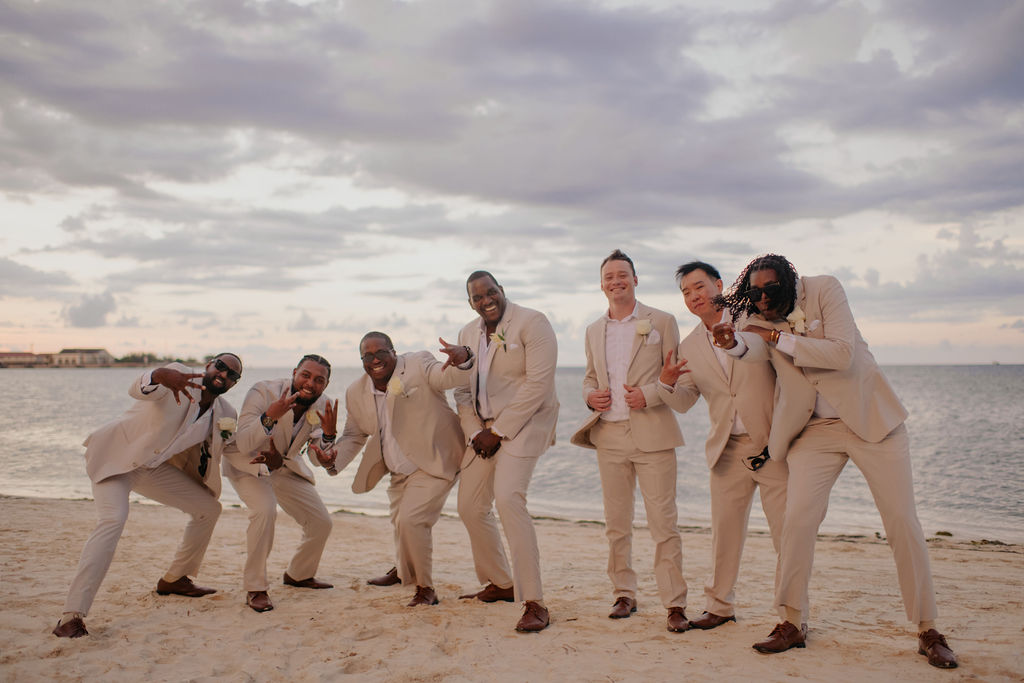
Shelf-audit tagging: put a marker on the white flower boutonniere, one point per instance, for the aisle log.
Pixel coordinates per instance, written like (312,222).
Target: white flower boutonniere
(499,339)
(395,385)
(643,327)
(796,321)
(312,418)
(227,427)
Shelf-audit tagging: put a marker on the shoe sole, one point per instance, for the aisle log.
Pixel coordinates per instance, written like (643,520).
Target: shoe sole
(708,628)
(766,651)
(949,665)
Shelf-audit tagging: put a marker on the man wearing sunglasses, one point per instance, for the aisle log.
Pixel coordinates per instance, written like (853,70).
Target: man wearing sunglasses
(284,422)
(172,413)
(739,398)
(400,406)
(833,405)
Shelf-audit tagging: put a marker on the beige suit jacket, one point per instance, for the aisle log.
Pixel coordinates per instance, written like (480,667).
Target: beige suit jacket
(252,437)
(744,388)
(831,357)
(520,384)
(147,429)
(422,422)
(654,428)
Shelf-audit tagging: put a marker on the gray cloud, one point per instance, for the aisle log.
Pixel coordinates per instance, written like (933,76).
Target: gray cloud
(91,311)
(17,279)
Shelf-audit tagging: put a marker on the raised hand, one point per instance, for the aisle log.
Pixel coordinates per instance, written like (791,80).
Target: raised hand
(635,398)
(670,372)
(454,353)
(177,382)
(276,410)
(486,443)
(329,418)
(763,332)
(600,400)
(270,457)
(724,334)
(325,458)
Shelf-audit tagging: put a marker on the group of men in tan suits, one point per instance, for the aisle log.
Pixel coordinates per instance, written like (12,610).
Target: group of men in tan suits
(792,396)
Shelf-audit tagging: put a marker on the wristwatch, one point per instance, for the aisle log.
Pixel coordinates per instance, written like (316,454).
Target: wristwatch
(267,423)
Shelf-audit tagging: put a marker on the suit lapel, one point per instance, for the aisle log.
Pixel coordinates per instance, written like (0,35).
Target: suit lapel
(641,314)
(711,358)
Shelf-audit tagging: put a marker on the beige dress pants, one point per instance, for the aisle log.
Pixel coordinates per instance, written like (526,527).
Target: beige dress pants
(501,481)
(297,497)
(732,487)
(165,484)
(622,466)
(416,502)
(815,460)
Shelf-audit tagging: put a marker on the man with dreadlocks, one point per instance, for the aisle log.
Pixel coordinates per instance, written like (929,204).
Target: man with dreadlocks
(832,404)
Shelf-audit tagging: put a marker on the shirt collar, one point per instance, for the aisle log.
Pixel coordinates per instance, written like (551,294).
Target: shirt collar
(631,316)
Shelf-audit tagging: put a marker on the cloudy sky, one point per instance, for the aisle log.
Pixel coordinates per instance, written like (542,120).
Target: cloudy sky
(278,177)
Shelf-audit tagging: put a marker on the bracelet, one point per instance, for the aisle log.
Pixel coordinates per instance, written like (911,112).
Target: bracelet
(774,337)
(267,423)
(328,438)
(469,355)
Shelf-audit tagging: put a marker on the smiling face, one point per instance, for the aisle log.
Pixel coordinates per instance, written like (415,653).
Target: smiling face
(487,298)
(309,380)
(221,374)
(698,290)
(618,282)
(379,360)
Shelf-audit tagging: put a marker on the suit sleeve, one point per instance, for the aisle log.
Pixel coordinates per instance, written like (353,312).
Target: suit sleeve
(835,350)
(668,330)
(440,380)
(685,392)
(541,349)
(471,423)
(251,434)
(590,382)
(352,438)
(160,392)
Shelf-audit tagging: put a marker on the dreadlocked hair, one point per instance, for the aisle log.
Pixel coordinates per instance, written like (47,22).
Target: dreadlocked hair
(738,300)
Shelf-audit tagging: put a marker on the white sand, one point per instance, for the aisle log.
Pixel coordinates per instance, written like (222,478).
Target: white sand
(359,632)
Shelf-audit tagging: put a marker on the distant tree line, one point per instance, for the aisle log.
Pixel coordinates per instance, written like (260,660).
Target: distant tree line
(153,359)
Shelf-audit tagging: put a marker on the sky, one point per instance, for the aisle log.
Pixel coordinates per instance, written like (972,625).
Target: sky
(276,178)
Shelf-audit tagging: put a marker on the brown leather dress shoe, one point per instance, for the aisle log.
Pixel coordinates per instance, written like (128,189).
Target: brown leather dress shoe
(782,637)
(677,621)
(75,628)
(932,644)
(492,593)
(425,595)
(535,618)
(259,601)
(709,621)
(182,586)
(388,579)
(622,608)
(311,582)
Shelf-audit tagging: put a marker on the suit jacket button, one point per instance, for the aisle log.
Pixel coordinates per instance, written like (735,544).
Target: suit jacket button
(156,451)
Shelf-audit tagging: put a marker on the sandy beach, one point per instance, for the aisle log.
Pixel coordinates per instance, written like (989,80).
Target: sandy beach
(359,632)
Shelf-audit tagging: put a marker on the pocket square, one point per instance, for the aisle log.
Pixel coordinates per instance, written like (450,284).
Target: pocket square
(815,324)
(653,337)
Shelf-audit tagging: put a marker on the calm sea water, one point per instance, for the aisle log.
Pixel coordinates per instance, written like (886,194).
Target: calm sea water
(966,427)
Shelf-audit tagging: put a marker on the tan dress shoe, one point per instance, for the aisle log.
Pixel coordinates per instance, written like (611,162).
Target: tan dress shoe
(535,618)
(492,593)
(73,628)
(933,645)
(425,595)
(677,621)
(311,582)
(259,601)
(709,621)
(182,586)
(782,637)
(622,608)
(390,578)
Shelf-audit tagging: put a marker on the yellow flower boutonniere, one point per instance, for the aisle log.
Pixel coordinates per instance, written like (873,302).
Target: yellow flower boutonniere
(227,426)
(643,327)
(312,418)
(395,385)
(499,339)
(796,321)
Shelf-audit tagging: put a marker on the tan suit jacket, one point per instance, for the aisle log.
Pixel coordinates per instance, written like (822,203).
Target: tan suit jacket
(147,429)
(520,383)
(654,428)
(252,437)
(422,422)
(831,357)
(744,388)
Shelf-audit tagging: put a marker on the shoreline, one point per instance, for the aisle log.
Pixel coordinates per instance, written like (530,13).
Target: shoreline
(857,626)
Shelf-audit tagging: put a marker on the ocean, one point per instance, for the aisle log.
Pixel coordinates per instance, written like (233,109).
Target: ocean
(966,427)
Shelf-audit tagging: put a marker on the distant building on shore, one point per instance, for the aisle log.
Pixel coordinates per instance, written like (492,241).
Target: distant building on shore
(67,358)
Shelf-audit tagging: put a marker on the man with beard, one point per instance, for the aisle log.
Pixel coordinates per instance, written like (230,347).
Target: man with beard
(508,412)
(280,420)
(132,453)
(399,404)
(832,404)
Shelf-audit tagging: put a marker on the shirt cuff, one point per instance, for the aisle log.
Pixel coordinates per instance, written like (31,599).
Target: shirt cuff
(147,383)
(738,350)
(666,387)
(786,343)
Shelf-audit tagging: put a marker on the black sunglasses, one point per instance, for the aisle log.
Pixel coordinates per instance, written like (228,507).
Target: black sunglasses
(381,355)
(772,291)
(756,462)
(223,367)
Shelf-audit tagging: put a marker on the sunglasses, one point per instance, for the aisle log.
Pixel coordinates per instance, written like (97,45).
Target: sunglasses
(381,355)
(756,462)
(772,291)
(223,367)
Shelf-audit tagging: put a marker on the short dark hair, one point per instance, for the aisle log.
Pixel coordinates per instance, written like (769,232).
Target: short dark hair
(227,353)
(316,358)
(737,298)
(477,274)
(619,255)
(376,335)
(687,268)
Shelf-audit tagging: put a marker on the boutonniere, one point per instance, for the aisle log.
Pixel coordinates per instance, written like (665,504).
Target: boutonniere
(312,418)
(499,339)
(227,426)
(643,327)
(796,321)
(396,387)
